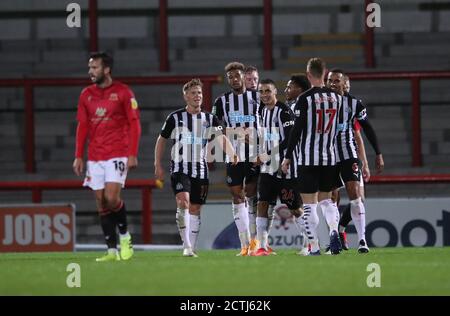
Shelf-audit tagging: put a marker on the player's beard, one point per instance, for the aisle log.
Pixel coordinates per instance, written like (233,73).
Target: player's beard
(237,89)
(99,79)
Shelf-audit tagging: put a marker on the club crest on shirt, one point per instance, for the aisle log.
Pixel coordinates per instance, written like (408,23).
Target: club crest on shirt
(113,97)
(100,112)
(254,102)
(134,104)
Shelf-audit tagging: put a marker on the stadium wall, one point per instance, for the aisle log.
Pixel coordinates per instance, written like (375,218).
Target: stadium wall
(396,222)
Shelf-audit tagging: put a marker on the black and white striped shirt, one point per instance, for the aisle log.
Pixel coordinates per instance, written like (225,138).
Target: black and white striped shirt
(190,135)
(352,109)
(239,113)
(275,128)
(315,127)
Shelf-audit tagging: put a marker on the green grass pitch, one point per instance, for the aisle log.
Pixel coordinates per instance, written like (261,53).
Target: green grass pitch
(403,271)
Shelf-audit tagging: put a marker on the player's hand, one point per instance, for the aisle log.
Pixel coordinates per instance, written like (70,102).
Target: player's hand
(258,161)
(379,163)
(366,172)
(159,172)
(78,166)
(285,165)
(132,162)
(235,160)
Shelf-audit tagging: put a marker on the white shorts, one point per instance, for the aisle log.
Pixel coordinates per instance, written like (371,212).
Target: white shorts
(100,172)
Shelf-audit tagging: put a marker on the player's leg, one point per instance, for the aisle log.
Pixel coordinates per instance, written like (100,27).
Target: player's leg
(115,176)
(235,181)
(345,217)
(291,197)
(357,209)
(199,193)
(309,186)
(270,214)
(267,192)
(344,210)
(251,180)
(95,179)
(108,224)
(327,182)
(181,187)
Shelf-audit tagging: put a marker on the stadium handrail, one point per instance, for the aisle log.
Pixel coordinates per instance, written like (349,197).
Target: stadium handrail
(146,186)
(29,83)
(163,12)
(415,77)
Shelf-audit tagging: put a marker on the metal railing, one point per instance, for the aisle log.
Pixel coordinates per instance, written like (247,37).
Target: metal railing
(29,85)
(415,78)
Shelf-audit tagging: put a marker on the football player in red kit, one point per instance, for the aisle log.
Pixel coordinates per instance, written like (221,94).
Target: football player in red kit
(108,117)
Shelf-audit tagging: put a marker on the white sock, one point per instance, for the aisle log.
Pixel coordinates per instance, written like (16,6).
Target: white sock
(311,222)
(358,212)
(270,217)
(261,231)
(194,230)
(300,224)
(331,214)
(126,235)
(183,223)
(112,251)
(252,206)
(240,214)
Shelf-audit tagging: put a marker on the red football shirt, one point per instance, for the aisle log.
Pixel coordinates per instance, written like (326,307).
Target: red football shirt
(108,112)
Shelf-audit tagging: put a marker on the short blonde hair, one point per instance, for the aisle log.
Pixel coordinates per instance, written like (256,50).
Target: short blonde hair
(316,67)
(192,83)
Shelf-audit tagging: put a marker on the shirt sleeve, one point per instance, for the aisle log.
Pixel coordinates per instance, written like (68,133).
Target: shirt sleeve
(215,129)
(299,123)
(130,105)
(217,109)
(287,123)
(82,114)
(168,127)
(132,110)
(82,127)
(361,112)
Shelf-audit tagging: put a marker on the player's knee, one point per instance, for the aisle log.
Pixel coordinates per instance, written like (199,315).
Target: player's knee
(111,202)
(183,203)
(296,212)
(238,198)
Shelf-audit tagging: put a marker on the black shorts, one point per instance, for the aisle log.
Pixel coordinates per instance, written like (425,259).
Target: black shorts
(270,187)
(197,188)
(317,178)
(243,170)
(350,170)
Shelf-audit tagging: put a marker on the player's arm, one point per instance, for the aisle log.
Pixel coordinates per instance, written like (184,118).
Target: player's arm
(159,151)
(165,134)
(371,136)
(287,119)
(218,112)
(228,149)
(362,153)
(294,135)
(132,110)
(222,140)
(80,138)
